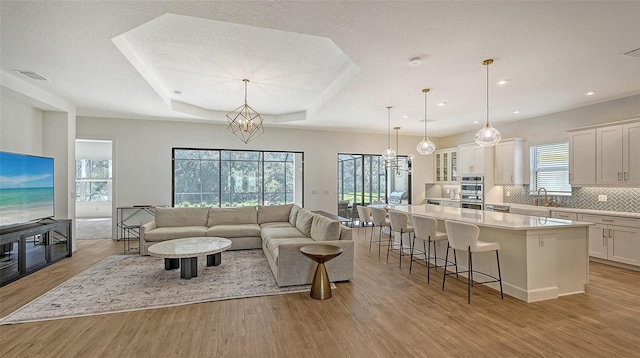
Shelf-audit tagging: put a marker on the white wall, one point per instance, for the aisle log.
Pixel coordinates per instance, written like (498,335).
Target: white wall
(553,126)
(143,155)
(18,117)
(37,122)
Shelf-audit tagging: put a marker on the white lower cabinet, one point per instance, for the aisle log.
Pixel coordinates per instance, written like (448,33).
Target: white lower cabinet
(613,238)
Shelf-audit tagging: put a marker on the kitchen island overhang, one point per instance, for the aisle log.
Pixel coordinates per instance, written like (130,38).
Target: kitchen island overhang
(540,258)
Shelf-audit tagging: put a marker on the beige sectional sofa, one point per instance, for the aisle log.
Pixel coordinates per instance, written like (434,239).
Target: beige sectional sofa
(278,230)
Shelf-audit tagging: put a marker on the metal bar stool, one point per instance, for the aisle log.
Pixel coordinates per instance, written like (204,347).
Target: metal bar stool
(426,229)
(464,237)
(399,223)
(380,220)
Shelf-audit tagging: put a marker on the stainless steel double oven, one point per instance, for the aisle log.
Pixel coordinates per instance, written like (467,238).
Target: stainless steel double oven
(472,193)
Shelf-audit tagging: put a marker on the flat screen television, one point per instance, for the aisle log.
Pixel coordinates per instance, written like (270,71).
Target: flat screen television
(26,188)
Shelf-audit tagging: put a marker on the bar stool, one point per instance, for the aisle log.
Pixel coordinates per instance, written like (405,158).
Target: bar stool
(426,229)
(464,237)
(364,216)
(380,220)
(399,223)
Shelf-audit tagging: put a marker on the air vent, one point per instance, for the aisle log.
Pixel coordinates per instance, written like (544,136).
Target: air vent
(33,75)
(633,53)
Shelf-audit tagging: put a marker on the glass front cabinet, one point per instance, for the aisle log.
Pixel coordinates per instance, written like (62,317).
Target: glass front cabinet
(446,165)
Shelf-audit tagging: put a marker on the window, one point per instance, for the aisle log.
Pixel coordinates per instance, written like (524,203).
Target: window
(93,180)
(550,168)
(230,178)
(353,175)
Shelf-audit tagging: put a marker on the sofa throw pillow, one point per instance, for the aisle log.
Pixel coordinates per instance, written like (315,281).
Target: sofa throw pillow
(171,217)
(293,215)
(273,213)
(304,220)
(233,216)
(325,229)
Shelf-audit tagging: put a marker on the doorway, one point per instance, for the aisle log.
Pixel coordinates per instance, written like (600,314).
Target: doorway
(94,189)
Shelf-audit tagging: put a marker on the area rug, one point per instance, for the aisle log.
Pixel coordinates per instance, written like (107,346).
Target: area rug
(128,283)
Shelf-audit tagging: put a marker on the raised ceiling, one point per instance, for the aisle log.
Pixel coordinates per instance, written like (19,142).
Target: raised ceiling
(332,65)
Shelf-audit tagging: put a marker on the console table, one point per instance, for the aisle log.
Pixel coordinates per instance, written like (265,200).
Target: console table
(28,248)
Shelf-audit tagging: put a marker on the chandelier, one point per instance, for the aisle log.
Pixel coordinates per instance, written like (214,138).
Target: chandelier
(244,122)
(488,136)
(426,146)
(391,159)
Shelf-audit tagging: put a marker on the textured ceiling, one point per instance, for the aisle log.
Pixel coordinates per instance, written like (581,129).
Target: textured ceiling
(551,53)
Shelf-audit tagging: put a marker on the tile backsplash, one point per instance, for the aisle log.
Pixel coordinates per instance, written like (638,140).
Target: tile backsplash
(618,199)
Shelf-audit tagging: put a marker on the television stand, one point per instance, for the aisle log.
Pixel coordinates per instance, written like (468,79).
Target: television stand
(28,248)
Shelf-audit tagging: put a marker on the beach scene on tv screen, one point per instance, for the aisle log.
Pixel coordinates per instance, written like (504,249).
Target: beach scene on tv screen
(26,188)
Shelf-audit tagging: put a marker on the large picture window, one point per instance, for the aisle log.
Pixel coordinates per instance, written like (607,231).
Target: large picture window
(93,180)
(231,178)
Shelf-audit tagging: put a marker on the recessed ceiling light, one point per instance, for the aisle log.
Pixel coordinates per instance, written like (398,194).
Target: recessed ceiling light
(416,61)
(590,93)
(502,82)
(516,112)
(475,122)
(177,93)
(442,104)
(405,116)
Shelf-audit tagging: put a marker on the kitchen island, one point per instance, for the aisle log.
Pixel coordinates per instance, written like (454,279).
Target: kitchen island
(540,258)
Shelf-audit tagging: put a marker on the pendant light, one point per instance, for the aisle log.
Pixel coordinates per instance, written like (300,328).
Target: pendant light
(488,136)
(426,146)
(244,122)
(389,154)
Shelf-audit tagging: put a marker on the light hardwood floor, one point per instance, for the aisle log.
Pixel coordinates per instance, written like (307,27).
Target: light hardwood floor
(383,312)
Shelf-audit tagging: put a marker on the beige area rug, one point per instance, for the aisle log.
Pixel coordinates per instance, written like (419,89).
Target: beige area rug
(127,283)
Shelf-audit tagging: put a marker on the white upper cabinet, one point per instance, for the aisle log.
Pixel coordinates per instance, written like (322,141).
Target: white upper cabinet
(471,159)
(582,157)
(631,153)
(446,165)
(509,162)
(617,158)
(605,155)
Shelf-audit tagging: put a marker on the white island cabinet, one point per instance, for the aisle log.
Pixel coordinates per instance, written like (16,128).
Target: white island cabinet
(540,258)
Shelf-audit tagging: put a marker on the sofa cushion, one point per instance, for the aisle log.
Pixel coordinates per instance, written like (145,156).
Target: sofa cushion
(280,232)
(174,232)
(276,224)
(272,245)
(239,230)
(293,215)
(232,216)
(304,220)
(181,217)
(273,213)
(325,229)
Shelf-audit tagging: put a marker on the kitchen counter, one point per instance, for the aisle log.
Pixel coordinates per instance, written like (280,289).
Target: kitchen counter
(443,199)
(488,218)
(541,258)
(621,214)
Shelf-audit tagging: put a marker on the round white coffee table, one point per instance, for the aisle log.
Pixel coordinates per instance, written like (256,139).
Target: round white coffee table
(183,253)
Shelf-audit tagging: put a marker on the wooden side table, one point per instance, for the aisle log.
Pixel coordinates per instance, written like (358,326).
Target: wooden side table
(321,287)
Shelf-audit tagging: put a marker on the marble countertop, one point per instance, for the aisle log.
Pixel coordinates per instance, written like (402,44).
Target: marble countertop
(621,214)
(488,218)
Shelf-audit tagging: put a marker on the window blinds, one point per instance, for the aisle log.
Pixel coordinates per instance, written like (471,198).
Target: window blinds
(550,168)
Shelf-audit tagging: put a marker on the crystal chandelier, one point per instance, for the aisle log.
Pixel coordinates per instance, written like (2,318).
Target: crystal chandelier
(488,136)
(244,122)
(426,146)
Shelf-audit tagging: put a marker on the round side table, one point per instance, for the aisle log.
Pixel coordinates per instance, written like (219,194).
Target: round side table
(320,287)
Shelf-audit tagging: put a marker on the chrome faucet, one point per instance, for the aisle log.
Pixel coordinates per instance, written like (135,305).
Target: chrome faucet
(546,201)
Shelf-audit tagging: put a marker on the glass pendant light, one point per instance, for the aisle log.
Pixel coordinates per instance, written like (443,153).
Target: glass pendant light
(426,146)
(389,154)
(488,136)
